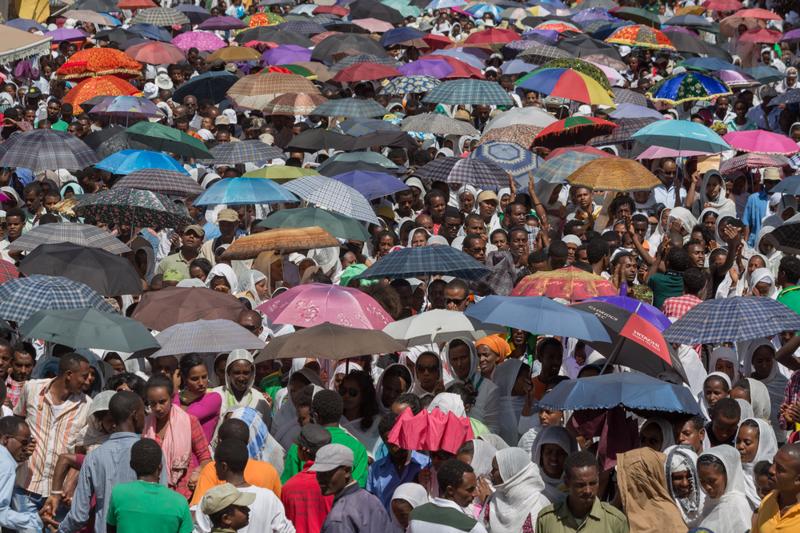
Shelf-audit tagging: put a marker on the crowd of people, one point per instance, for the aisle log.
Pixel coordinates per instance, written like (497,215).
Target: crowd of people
(101,440)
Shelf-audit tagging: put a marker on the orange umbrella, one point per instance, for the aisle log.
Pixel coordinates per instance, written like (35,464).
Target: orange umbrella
(569,283)
(99,86)
(99,62)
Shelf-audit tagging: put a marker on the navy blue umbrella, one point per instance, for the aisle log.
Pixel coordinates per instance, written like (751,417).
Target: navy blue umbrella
(425,261)
(400,35)
(150,31)
(371,184)
(211,85)
(788,185)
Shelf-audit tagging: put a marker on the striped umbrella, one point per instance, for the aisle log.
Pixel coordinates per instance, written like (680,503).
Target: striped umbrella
(480,173)
(469,92)
(624,132)
(350,107)
(513,158)
(79,234)
(46,149)
(566,83)
(538,53)
(751,161)
(20,298)
(215,336)
(162,181)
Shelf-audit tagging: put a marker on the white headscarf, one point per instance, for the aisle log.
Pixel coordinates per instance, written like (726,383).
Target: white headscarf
(723,205)
(482,456)
(686,218)
(726,354)
(415,230)
(447,402)
(730,512)
(473,191)
(759,399)
(765,275)
(413,493)
(667,435)
(505,375)
(224,271)
(745,409)
(704,407)
(520,497)
(775,382)
(248,285)
(560,437)
(681,459)
(767,448)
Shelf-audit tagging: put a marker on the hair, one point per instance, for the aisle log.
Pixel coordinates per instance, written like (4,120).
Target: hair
(596,249)
(581,459)
(232,452)
(368,408)
(387,423)
(202,263)
(35,187)
(452,212)
(233,428)
(679,259)
(761,468)
(469,239)
(466,391)
(123,404)
(458,284)
(698,422)
(160,381)
(717,378)
(146,457)
(790,266)
(412,400)
(750,423)
(451,474)
(15,212)
(711,460)
(188,362)
(9,425)
(549,341)
(327,407)
(131,380)
(305,398)
(70,362)
(618,202)
(742,384)
(694,280)
(727,407)
(558,251)
(432,194)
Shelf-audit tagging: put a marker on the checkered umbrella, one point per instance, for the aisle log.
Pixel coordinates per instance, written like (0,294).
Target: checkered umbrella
(740,318)
(350,107)
(557,169)
(469,92)
(425,261)
(160,16)
(480,173)
(410,84)
(438,125)
(751,161)
(333,195)
(539,54)
(159,180)
(257,90)
(20,298)
(244,152)
(215,336)
(142,209)
(626,127)
(80,234)
(46,149)
(349,61)
(8,271)
(303,27)
(626,96)
(511,157)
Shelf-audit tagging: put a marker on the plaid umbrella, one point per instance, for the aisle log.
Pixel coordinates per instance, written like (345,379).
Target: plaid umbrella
(733,319)
(21,298)
(175,305)
(511,157)
(480,173)
(70,232)
(556,169)
(538,54)
(244,152)
(161,181)
(358,59)
(410,84)
(438,125)
(160,137)
(350,107)
(160,16)
(46,149)
(333,195)
(425,261)
(143,209)
(257,90)
(205,336)
(99,62)
(8,271)
(303,27)
(244,191)
(626,96)
(467,91)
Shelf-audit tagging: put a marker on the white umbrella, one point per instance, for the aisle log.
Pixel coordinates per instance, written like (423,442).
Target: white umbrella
(530,116)
(205,336)
(437,326)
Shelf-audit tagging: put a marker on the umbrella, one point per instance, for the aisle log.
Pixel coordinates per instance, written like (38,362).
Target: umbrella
(520,134)
(205,336)
(284,240)
(329,341)
(312,140)
(82,235)
(478,172)
(150,31)
(475,92)
(566,83)
(88,328)
(614,174)
(735,79)
(511,157)
(175,305)
(246,151)
(361,9)
(580,45)
(431,431)
(426,261)
(732,320)
(584,67)
(689,43)
(99,62)
(204,41)
(160,16)
(360,127)
(761,35)
(749,17)
(400,35)
(160,137)
(46,149)
(274,34)
(632,390)
(221,23)
(285,54)
(708,64)
(99,86)
(136,4)
(685,137)
(316,303)
(66,34)
(372,158)
(687,87)
(245,191)
(128,161)
(438,125)
(521,115)
(161,181)
(792,96)
(304,27)
(365,72)
(351,60)
(434,68)
(641,36)
(143,209)
(459,61)
(339,226)
(760,141)
(291,104)
(538,53)
(635,111)
(372,185)
(350,107)
(491,38)
(539,315)
(373,25)
(787,239)
(764,74)
(207,86)
(156,53)
(234,54)
(196,14)
(722,5)
(788,185)
(8,270)
(337,45)
(637,14)
(557,26)
(333,195)
(280,173)
(257,90)
(645,310)
(752,161)
(689,21)
(24,24)
(570,283)
(558,166)
(436,326)
(127,107)
(573,130)
(21,298)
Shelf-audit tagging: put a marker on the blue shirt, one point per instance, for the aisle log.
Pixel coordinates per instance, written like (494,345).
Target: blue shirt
(754,211)
(383,477)
(9,518)
(357,511)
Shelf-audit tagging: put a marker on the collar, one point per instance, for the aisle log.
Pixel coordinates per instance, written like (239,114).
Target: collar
(563,511)
(442,502)
(119,435)
(351,488)
(793,288)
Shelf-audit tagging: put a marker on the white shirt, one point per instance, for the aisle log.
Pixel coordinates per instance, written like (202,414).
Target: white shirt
(266,514)
(666,196)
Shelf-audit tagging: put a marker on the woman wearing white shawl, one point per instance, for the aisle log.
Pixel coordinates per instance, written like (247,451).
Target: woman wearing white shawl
(759,399)
(712,195)
(518,495)
(405,499)
(693,367)
(682,220)
(710,389)
(465,205)
(767,372)
(418,237)
(750,430)
(253,286)
(765,246)
(662,227)
(285,427)
(762,283)
(511,402)
(553,479)
(724,359)
(665,432)
(482,455)
(682,463)
(722,479)
(221,270)
(487,403)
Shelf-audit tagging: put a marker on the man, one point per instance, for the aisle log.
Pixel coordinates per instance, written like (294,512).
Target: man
(515,215)
(597,254)
(694,283)
(55,411)
(453,219)
(15,223)
(228,508)
(475,246)
(446,514)
(177,264)
(33,196)
(105,467)
(16,445)
(22,361)
(670,283)
(228,223)
(302,496)
(487,207)
(404,204)
(780,509)
(145,505)
(6,354)
(456,295)
(252,322)
(724,422)
(266,511)
(582,510)
(354,509)
(789,280)
(722,110)
(670,185)
(692,433)
(550,354)
(757,203)
(435,205)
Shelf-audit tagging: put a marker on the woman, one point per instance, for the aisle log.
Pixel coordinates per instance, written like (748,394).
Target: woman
(683,483)
(463,360)
(478,454)
(755,442)
(657,433)
(179,434)
(712,196)
(550,450)
(682,221)
(644,492)
(715,387)
(194,397)
(708,218)
(222,279)
(394,381)
(518,495)
(514,382)
(762,283)
(360,409)
(492,350)
(383,242)
(722,480)
(760,364)
(757,394)
(254,286)
(467,195)
(238,391)
(405,499)
(427,376)
(418,237)
(724,359)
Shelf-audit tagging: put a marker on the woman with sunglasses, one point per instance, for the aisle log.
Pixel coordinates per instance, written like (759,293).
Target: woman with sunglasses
(360,409)
(428,377)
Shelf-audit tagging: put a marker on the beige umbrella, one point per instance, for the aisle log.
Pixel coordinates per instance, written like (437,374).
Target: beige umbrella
(283,239)
(258,90)
(291,104)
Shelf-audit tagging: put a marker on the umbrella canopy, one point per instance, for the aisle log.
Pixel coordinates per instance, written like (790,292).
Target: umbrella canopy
(520,134)
(438,325)
(204,41)
(127,107)
(207,86)
(83,235)
(234,54)
(640,36)
(331,49)
(7,271)
(156,53)
(491,38)
(573,130)
(762,142)
(434,68)
(339,226)
(431,431)
(614,174)
(285,240)
(315,139)
(333,195)
(687,87)
(753,161)
(175,305)
(205,336)
(365,72)
(350,107)
(732,320)
(291,104)
(425,261)
(329,341)
(637,14)
(21,298)
(88,328)
(511,157)
(474,92)
(99,86)
(685,137)
(47,149)
(99,62)
(168,139)
(788,185)
(478,172)
(160,16)
(275,34)
(285,54)
(569,283)
(538,53)
(566,83)
(244,152)
(280,173)
(257,90)
(372,185)
(244,191)
(521,115)
(128,161)
(645,310)
(221,23)
(786,237)
(635,111)
(558,166)
(161,181)
(438,125)
(401,35)
(143,209)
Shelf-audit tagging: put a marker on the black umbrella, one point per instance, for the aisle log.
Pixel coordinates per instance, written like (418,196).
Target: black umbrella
(103,6)
(274,34)
(117,35)
(208,86)
(687,43)
(394,139)
(106,273)
(787,237)
(345,27)
(581,45)
(362,9)
(338,44)
(110,140)
(316,139)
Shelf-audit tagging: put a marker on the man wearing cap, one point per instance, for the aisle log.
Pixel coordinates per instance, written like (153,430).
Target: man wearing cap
(177,264)
(756,207)
(228,222)
(302,496)
(487,208)
(354,509)
(228,508)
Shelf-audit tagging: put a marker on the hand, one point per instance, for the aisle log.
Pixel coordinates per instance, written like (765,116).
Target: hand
(193,477)
(695,178)
(792,412)
(50,506)
(731,236)
(174,240)
(734,273)
(484,489)
(512,185)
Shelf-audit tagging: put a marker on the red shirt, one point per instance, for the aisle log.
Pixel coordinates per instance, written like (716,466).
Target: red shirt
(304,503)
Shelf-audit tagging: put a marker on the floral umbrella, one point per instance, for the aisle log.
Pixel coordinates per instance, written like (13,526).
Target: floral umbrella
(522,134)
(202,40)
(99,86)
(142,209)
(570,283)
(573,130)
(264,19)
(641,36)
(687,87)
(557,26)
(94,62)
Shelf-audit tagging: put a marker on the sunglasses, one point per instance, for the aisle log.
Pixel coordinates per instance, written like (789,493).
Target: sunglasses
(427,369)
(348,391)
(457,301)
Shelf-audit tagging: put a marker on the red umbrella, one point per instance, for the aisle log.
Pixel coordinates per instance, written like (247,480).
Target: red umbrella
(578,148)
(761,35)
(365,72)
(156,53)
(332,10)
(431,431)
(723,5)
(437,42)
(7,271)
(492,36)
(460,69)
(572,130)
(136,4)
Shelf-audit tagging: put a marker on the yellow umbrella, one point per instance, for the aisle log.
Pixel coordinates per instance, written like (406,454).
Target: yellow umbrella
(614,174)
(231,54)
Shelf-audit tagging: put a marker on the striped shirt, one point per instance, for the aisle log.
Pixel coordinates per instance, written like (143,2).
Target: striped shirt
(56,428)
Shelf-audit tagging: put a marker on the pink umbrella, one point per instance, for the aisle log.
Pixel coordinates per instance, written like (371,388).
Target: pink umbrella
(733,78)
(156,53)
(761,35)
(657,152)
(373,25)
(315,303)
(761,141)
(202,40)
(431,431)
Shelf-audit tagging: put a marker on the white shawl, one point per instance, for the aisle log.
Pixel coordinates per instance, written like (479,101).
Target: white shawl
(520,496)
(767,448)
(730,512)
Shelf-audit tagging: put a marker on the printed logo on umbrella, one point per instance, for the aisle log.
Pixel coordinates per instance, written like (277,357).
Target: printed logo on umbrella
(644,333)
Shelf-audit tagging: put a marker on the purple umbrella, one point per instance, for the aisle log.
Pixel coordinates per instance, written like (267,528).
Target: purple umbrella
(542,36)
(635,111)
(793,35)
(593,13)
(127,107)
(26,24)
(221,23)
(436,68)
(202,40)
(286,54)
(472,56)
(66,34)
(646,311)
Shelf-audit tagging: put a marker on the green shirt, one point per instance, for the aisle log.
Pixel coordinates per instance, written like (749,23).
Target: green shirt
(665,286)
(140,506)
(59,125)
(603,518)
(293,465)
(790,297)
(174,267)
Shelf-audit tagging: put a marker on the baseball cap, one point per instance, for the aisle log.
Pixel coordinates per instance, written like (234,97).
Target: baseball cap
(223,496)
(228,215)
(313,437)
(198,230)
(332,456)
(487,196)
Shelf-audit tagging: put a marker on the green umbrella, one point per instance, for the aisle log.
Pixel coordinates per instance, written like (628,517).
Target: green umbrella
(88,328)
(404,7)
(280,173)
(337,225)
(168,139)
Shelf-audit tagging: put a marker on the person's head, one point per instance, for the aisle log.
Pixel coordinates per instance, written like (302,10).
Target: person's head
(460,357)
(192,238)
(558,254)
(74,370)
(435,205)
(725,419)
(230,459)
(786,471)
(457,482)
(697,253)
(582,478)
(747,439)
(713,478)
(691,432)
(405,202)
(651,436)
(6,355)
(358,395)
(763,361)
(407,401)
(597,252)
(15,222)
(194,374)
(127,381)
(33,196)
(158,394)
(428,370)
(333,467)
(621,208)
(518,242)
(456,295)
(394,382)
(146,456)
(694,281)
(127,411)
(550,353)
(474,245)
(15,436)
(312,437)
(789,271)
(240,374)
(715,388)
(764,478)
(227,507)
(326,408)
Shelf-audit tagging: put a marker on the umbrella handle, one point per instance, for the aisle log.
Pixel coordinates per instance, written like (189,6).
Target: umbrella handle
(614,354)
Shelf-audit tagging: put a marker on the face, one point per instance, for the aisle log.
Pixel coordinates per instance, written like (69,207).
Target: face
(33,201)
(475,226)
(333,481)
(197,380)
(402,511)
(467,201)
(191,241)
(14,226)
(159,402)
(21,366)
(455,298)
(681,483)
(550,418)
(426,222)
(6,354)
(451,227)
(351,394)
(476,248)
(487,360)
(487,208)
(713,188)
(239,375)
(651,437)
(220,284)
(427,371)
(786,471)
(747,443)
(20,445)
(582,197)
(500,241)
(723,427)
(552,460)
(460,360)
(583,484)
(712,480)
(697,254)
(518,215)
(465,492)
(420,238)
(384,245)
(519,243)
(393,386)
(75,380)
(763,360)
(691,436)
(436,208)
(550,357)
(405,204)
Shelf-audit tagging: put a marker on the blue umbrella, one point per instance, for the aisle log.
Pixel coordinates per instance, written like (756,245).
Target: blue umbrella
(400,35)
(511,157)
(557,169)
(243,191)
(687,87)
(358,126)
(764,74)
(150,31)
(128,161)
(20,298)
(539,315)
(478,10)
(26,25)
(631,390)
(688,138)
(445,4)
(411,84)
(211,85)
(593,13)
(371,184)
(788,185)
(516,66)
(426,261)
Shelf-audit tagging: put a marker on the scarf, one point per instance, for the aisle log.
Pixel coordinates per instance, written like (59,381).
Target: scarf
(759,399)
(559,436)
(701,398)
(686,219)
(482,455)
(505,375)
(520,496)
(412,493)
(667,435)
(775,382)
(682,459)
(767,448)
(177,442)
(730,512)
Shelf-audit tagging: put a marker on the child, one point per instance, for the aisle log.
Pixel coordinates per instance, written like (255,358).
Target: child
(227,508)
